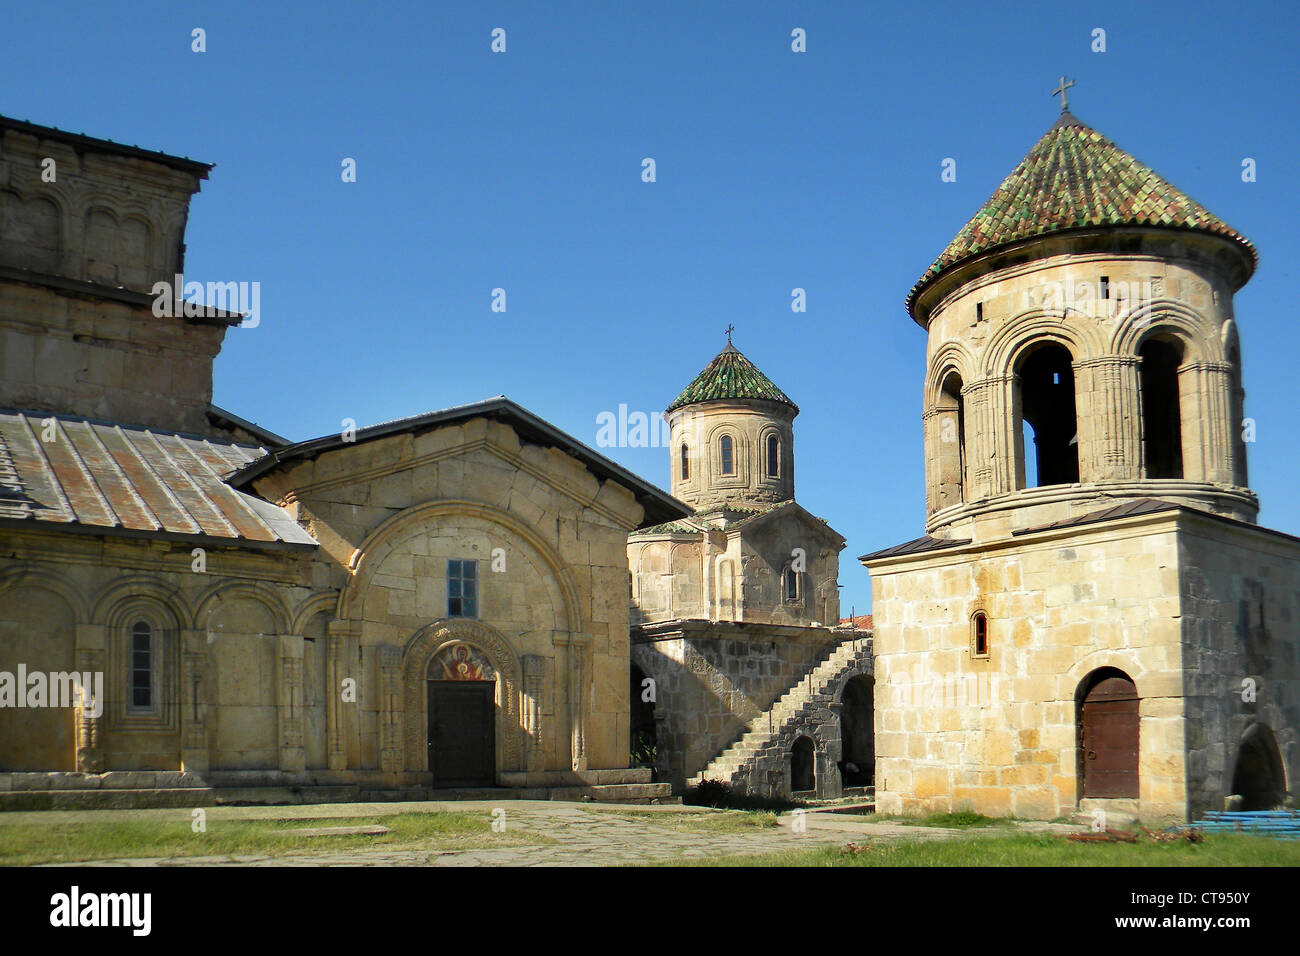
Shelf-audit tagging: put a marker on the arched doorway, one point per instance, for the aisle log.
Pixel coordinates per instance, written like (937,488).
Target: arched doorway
(644,743)
(1107,706)
(802,777)
(1046,409)
(858,732)
(1259,779)
(462,717)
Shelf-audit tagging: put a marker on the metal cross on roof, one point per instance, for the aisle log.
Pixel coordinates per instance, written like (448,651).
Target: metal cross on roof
(729,330)
(1060,90)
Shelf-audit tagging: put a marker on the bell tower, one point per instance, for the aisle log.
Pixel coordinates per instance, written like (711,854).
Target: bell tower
(1082,347)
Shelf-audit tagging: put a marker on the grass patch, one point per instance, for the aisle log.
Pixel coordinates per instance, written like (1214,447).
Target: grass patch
(58,842)
(1031,850)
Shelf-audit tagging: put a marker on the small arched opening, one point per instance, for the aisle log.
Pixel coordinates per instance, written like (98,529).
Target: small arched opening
(1162,426)
(727,456)
(858,732)
(1107,718)
(1045,406)
(644,742)
(950,422)
(802,776)
(1260,777)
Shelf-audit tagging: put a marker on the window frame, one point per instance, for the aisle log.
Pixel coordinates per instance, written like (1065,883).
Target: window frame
(460,578)
(132,709)
(979,632)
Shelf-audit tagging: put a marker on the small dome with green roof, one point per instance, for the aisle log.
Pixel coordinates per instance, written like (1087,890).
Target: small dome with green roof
(729,377)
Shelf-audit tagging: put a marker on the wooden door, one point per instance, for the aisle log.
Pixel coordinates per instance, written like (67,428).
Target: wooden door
(462,733)
(1109,739)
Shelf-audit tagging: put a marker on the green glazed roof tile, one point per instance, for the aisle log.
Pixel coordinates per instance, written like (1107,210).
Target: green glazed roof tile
(730,376)
(1075,178)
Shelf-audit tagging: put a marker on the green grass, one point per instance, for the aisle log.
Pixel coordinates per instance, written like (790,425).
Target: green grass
(957,820)
(1032,850)
(701,821)
(26,844)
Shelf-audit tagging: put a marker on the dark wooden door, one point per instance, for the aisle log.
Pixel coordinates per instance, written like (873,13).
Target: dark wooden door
(1109,739)
(462,733)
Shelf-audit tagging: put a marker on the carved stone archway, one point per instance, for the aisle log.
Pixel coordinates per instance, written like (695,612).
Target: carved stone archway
(423,646)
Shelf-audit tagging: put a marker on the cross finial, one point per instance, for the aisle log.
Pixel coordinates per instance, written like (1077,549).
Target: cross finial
(729,330)
(1060,91)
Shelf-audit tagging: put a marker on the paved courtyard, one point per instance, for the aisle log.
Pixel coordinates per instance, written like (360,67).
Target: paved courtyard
(583,834)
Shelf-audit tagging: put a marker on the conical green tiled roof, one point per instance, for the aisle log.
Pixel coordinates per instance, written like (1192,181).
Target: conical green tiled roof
(1075,178)
(730,376)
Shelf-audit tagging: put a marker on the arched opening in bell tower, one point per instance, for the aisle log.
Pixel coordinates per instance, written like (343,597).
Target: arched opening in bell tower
(1162,428)
(950,420)
(1045,385)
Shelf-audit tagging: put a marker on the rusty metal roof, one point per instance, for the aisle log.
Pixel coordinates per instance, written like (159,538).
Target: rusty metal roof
(100,477)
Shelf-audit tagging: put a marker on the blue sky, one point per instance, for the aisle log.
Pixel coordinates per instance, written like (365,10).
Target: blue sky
(775,170)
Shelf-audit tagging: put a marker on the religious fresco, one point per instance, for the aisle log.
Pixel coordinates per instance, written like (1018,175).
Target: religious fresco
(461,662)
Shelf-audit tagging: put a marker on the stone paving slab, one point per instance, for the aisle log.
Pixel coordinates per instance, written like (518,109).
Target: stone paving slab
(583,835)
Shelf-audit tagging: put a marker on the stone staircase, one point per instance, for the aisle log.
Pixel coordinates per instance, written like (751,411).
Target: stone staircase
(763,747)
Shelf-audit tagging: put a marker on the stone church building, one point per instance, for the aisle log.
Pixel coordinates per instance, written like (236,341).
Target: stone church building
(469,600)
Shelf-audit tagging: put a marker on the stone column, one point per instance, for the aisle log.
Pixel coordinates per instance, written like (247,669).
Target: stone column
(337,670)
(391,708)
(1113,418)
(990,441)
(196,752)
(289,704)
(575,685)
(90,708)
(534,666)
(1208,440)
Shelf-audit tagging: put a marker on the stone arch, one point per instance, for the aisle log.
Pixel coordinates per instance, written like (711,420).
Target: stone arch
(1259,774)
(384,539)
(949,357)
(257,592)
(856,697)
(51,581)
(1031,329)
(143,587)
(803,764)
(1201,341)
(421,649)
(34,231)
(308,609)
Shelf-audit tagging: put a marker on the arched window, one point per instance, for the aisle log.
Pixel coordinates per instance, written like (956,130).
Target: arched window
(142,668)
(773,456)
(1045,382)
(791,586)
(979,634)
(1162,427)
(728,455)
(951,423)
(686,462)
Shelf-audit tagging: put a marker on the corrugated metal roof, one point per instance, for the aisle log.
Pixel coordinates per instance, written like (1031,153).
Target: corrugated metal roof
(916,546)
(97,475)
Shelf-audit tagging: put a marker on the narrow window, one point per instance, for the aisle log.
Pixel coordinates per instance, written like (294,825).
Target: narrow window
(1162,428)
(142,666)
(980,634)
(1105,287)
(462,589)
(791,585)
(686,463)
(728,459)
(979,311)
(773,456)
(1045,378)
